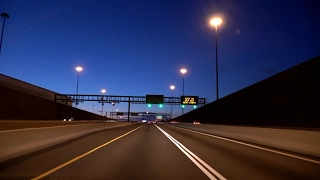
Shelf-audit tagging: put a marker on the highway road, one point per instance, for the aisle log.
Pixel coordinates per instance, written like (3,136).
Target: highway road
(158,151)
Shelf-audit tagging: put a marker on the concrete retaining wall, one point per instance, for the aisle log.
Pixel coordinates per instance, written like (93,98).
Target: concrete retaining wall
(288,99)
(300,141)
(28,88)
(14,143)
(17,105)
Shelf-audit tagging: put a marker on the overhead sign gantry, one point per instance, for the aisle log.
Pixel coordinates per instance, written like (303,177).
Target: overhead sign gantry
(148,99)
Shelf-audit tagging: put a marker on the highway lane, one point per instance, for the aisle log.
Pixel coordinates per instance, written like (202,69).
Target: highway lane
(145,152)
(236,161)
(34,164)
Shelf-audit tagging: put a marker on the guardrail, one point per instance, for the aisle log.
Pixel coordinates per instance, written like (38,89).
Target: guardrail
(14,143)
(299,141)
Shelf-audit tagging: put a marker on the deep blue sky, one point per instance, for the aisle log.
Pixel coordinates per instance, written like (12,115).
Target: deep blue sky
(137,47)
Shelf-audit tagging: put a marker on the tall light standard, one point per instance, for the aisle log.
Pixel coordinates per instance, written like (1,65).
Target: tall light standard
(112,108)
(216,22)
(171,108)
(4,15)
(78,69)
(103,91)
(117,113)
(183,71)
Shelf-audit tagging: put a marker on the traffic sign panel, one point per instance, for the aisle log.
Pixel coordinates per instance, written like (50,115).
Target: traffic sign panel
(154,99)
(189,100)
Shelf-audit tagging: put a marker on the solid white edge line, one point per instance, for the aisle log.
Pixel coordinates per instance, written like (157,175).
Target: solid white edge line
(202,162)
(253,146)
(194,158)
(203,169)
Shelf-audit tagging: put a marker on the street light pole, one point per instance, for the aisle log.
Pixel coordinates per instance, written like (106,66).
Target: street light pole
(117,113)
(102,99)
(4,15)
(78,69)
(183,71)
(183,84)
(217,90)
(112,110)
(171,108)
(215,22)
(102,107)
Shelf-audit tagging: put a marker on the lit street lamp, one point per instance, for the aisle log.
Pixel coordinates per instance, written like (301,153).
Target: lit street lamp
(4,15)
(78,69)
(183,71)
(171,108)
(103,91)
(216,22)
(172,88)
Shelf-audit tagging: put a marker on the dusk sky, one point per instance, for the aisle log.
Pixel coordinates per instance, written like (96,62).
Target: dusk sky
(137,47)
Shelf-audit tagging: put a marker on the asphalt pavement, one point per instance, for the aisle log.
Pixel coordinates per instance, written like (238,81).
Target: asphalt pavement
(156,151)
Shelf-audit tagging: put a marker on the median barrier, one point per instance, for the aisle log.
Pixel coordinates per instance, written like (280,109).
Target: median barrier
(14,143)
(299,141)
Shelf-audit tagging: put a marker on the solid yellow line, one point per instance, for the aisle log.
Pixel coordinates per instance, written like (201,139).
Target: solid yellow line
(81,156)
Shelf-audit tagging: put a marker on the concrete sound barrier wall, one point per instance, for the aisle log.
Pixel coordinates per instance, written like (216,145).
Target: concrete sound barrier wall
(288,99)
(17,105)
(14,143)
(299,141)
